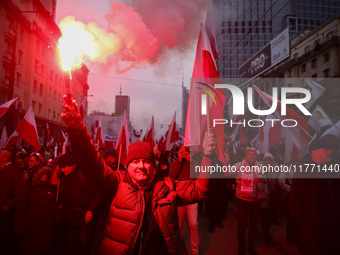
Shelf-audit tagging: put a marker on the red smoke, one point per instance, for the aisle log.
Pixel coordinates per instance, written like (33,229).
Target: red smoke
(145,30)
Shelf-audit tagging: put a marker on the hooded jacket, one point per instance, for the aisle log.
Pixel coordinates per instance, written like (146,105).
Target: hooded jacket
(127,208)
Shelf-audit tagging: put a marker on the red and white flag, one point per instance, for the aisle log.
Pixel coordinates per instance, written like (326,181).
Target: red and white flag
(123,141)
(150,135)
(27,130)
(99,135)
(48,132)
(203,81)
(172,135)
(4,137)
(299,135)
(4,107)
(315,89)
(269,134)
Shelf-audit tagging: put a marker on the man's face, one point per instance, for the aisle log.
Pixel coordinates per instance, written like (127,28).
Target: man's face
(19,161)
(4,157)
(268,161)
(141,171)
(68,169)
(33,161)
(250,156)
(321,156)
(111,160)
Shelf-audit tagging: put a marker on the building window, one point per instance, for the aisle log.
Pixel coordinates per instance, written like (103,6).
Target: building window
(7,76)
(36,66)
(37,48)
(34,105)
(326,57)
(314,63)
(327,73)
(296,56)
(9,50)
(42,70)
(48,113)
(20,57)
(55,94)
(18,81)
(10,26)
(35,87)
(22,34)
(330,36)
(51,75)
(314,76)
(50,92)
(307,49)
(41,90)
(54,115)
(303,68)
(289,73)
(40,108)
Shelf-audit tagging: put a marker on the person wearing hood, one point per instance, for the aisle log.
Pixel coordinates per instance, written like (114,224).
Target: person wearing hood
(314,201)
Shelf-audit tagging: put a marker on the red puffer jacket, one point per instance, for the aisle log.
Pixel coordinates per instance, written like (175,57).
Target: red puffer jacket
(127,208)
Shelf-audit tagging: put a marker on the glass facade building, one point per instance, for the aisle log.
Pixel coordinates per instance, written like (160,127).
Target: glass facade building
(244,27)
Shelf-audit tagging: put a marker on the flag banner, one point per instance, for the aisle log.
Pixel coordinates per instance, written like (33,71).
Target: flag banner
(4,107)
(315,89)
(206,102)
(123,141)
(172,134)
(319,119)
(27,130)
(4,137)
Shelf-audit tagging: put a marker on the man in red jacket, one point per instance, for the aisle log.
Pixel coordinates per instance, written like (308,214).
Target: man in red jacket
(143,214)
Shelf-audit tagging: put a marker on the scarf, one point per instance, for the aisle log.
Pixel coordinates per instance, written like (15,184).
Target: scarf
(252,184)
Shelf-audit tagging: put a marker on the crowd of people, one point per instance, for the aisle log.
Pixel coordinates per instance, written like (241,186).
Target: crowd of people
(84,201)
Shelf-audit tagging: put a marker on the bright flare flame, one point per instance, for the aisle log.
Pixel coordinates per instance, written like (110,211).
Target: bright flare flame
(80,42)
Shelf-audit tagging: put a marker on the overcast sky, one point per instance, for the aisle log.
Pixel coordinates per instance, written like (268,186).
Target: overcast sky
(153,90)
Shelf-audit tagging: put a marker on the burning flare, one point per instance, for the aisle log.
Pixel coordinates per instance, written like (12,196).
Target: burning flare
(80,42)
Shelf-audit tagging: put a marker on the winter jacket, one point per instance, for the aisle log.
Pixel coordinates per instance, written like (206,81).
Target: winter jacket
(36,218)
(314,205)
(127,209)
(11,184)
(76,197)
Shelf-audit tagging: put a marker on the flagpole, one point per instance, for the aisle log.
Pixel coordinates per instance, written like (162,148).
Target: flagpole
(208,119)
(8,140)
(120,152)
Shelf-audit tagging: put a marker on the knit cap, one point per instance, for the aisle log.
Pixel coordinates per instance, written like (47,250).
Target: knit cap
(140,150)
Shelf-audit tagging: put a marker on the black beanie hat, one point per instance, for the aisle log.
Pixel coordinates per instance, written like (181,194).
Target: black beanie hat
(66,160)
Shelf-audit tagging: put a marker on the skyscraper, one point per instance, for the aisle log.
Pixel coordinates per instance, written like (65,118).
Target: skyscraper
(243,27)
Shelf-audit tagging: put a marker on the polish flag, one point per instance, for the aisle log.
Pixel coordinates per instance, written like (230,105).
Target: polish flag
(204,76)
(27,130)
(4,107)
(243,138)
(4,137)
(150,135)
(173,135)
(299,135)
(123,141)
(48,132)
(269,134)
(99,135)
